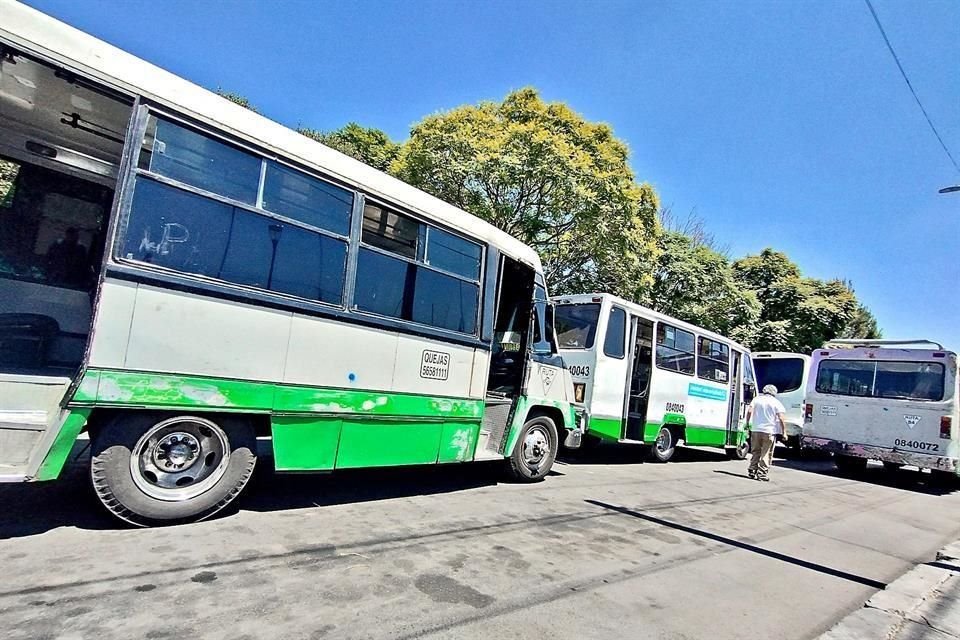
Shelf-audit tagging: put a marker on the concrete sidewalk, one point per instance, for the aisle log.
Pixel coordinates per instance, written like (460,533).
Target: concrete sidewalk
(923,604)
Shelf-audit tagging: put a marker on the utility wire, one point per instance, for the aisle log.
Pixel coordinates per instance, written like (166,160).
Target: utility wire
(883,33)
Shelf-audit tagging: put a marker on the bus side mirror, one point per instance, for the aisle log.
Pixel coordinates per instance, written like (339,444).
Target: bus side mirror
(749,392)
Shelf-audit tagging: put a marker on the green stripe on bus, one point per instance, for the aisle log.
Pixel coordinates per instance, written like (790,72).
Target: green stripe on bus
(158,390)
(705,436)
(52,465)
(606,428)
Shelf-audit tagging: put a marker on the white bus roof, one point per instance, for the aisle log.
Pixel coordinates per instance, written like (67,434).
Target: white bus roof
(583,298)
(35,32)
(780,354)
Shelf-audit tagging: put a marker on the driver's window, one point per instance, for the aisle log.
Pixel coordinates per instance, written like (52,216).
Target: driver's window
(542,334)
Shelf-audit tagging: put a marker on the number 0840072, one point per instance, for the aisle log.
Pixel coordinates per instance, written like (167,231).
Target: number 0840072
(916,444)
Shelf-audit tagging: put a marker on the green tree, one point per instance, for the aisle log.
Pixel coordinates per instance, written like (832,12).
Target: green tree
(365,144)
(798,313)
(236,98)
(8,174)
(694,282)
(545,175)
(863,324)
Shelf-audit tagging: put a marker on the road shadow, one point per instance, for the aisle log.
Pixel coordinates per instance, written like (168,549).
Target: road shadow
(32,508)
(271,491)
(746,546)
(630,453)
(907,479)
(28,509)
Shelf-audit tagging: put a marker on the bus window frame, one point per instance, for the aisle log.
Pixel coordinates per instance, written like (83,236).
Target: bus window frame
(136,271)
(657,343)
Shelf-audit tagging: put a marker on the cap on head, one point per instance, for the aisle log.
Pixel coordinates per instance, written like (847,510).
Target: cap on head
(770,390)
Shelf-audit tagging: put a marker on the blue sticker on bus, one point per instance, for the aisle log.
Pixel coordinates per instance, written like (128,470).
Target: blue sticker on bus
(703,391)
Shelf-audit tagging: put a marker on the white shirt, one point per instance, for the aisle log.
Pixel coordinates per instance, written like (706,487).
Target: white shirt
(764,411)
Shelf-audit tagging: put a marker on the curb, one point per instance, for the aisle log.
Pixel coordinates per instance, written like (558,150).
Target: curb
(924,603)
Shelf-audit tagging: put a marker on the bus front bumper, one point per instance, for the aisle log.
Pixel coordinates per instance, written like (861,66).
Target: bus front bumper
(896,456)
(575,435)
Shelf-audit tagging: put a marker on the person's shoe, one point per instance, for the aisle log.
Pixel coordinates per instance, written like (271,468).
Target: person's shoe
(763,478)
(752,475)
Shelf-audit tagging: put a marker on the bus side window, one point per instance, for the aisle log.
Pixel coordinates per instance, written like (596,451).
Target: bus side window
(614,340)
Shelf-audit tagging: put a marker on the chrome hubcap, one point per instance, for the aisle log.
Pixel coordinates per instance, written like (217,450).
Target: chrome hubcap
(663,440)
(536,446)
(176,452)
(179,458)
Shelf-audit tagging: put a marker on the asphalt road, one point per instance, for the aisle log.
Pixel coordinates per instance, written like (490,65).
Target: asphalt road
(606,547)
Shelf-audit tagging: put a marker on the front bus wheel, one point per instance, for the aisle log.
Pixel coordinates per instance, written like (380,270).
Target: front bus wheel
(535,451)
(664,446)
(153,469)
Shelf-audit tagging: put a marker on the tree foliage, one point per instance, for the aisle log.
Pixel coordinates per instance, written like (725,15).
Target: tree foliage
(798,313)
(543,174)
(694,282)
(365,144)
(236,98)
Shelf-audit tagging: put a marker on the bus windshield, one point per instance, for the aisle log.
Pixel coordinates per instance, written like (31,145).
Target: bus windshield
(878,379)
(576,325)
(786,374)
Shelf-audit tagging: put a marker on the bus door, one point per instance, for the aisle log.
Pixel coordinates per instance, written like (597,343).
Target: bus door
(508,356)
(734,411)
(641,368)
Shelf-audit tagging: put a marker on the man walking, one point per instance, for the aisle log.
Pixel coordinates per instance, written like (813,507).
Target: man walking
(767,414)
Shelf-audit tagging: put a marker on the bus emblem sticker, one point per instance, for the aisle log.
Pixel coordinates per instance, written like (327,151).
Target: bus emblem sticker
(435,365)
(911,421)
(546,375)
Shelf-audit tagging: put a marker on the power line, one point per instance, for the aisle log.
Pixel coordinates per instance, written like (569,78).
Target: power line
(883,33)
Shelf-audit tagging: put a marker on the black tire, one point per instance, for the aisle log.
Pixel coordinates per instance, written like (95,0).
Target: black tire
(849,464)
(892,466)
(742,452)
(793,442)
(944,479)
(136,490)
(664,446)
(535,451)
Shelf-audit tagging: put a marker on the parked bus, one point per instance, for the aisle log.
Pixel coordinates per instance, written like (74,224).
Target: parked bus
(648,378)
(788,373)
(879,400)
(180,276)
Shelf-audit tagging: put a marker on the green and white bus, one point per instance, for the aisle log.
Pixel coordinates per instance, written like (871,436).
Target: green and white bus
(180,276)
(648,378)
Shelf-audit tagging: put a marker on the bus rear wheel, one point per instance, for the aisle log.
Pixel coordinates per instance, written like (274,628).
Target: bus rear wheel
(740,452)
(535,451)
(153,469)
(664,446)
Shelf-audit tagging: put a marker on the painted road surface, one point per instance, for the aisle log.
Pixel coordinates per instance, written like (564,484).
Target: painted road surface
(608,546)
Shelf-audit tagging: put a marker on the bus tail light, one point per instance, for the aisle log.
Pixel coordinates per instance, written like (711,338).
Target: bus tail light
(579,389)
(808,413)
(946,422)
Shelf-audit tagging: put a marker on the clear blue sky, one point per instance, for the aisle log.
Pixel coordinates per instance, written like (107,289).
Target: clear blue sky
(782,124)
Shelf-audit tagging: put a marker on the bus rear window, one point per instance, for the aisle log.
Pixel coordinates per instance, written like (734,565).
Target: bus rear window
(786,374)
(576,325)
(878,379)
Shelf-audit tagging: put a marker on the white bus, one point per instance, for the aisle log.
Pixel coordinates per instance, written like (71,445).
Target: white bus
(180,276)
(788,372)
(878,399)
(648,378)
